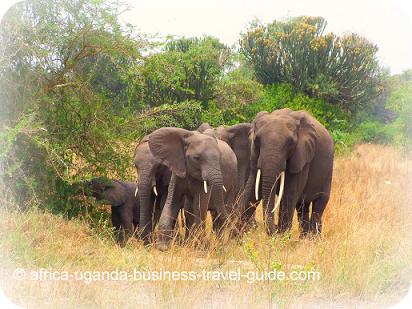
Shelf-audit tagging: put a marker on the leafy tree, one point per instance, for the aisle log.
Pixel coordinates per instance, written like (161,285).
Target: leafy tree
(342,70)
(238,87)
(187,69)
(64,118)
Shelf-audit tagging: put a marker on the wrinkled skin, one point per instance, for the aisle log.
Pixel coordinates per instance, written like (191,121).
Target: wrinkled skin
(194,158)
(237,137)
(294,142)
(125,206)
(151,172)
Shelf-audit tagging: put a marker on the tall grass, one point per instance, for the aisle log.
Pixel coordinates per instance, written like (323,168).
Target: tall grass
(364,255)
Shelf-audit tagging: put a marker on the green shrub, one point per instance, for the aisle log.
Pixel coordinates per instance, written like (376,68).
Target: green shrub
(341,70)
(400,102)
(375,132)
(283,96)
(188,69)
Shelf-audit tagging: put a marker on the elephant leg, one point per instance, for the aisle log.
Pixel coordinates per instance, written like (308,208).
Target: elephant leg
(213,213)
(169,214)
(160,203)
(302,208)
(294,187)
(136,218)
(199,207)
(116,222)
(248,218)
(126,219)
(318,206)
(189,217)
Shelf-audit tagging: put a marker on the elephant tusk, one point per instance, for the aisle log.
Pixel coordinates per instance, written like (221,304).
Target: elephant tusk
(205,186)
(155,190)
(224,188)
(282,187)
(135,191)
(259,172)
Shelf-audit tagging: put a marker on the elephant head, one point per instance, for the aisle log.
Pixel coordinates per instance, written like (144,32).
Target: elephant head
(104,189)
(120,195)
(283,140)
(237,137)
(192,156)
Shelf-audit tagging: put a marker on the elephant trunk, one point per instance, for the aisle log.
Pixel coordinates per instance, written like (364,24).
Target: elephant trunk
(168,217)
(269,176)
(146,206)
(215,180)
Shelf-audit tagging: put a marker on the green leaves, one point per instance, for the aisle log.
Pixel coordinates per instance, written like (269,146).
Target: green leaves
(188,69)
(67,66)
(342,70)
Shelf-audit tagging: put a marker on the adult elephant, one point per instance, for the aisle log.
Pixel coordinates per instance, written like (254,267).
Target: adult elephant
(203,167)
(237,137)
(293,147)
(124,205)
(152,184)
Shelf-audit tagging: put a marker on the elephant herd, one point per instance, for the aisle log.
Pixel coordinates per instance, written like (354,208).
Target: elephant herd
(283,158)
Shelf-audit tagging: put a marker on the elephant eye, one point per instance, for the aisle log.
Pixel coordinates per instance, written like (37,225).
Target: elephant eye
(196,157)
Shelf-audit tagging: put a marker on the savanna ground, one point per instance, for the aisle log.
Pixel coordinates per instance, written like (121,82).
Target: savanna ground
(364,255)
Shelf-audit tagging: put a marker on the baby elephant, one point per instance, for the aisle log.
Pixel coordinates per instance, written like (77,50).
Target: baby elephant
(125,205)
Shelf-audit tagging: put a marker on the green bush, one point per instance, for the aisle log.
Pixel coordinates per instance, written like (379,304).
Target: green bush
(400,102)
(341,70)
(188,69)
(76,92)
(375,132)
(283,96)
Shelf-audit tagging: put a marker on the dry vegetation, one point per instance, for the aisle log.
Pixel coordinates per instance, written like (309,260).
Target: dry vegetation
(364,255)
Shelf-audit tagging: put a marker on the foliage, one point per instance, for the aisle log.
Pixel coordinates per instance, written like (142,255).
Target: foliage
(342,70)
(400,101)
(183,115)
(63,121)
(188,69)
(282,96)
(238,87)
(78,90)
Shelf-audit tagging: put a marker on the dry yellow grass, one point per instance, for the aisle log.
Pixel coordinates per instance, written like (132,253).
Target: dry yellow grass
(364,256)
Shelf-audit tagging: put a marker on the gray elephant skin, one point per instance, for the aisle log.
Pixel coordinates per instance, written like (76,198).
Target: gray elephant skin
(153,182)
(293,148)
(203,167)
(238,138)
(124,205)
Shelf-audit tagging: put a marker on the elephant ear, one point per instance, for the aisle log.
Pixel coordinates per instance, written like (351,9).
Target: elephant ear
(168,145)
(203,127)
(306,145)
(282,111)
(237,133)
(259,116)
(209,132)
(256,123)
